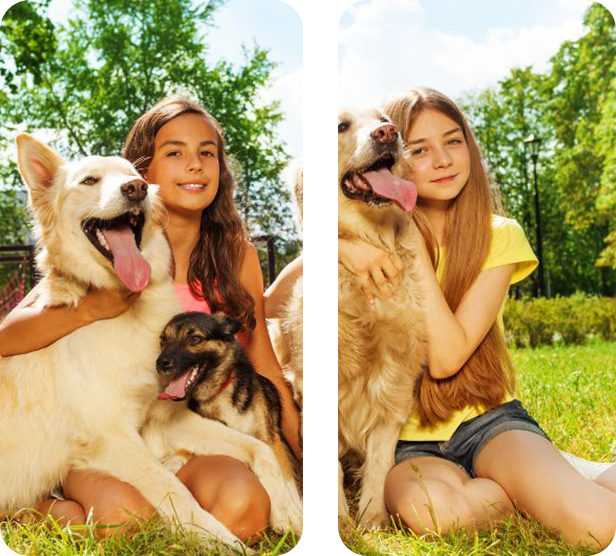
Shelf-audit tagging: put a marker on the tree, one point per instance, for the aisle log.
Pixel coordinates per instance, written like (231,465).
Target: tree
(502,117)
(583,73)
(89,80)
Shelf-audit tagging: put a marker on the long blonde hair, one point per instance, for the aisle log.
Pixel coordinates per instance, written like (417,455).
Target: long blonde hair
(487,376)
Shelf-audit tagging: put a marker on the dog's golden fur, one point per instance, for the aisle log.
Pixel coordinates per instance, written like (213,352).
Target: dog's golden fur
(381,347)
(82,402)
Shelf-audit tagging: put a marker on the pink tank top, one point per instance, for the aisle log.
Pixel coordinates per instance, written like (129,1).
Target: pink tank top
(189,301)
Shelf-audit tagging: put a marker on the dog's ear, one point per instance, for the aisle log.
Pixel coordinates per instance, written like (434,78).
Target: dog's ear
(227,324)
(38,165)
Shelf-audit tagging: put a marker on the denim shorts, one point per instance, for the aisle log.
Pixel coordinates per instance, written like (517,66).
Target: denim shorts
(472,436)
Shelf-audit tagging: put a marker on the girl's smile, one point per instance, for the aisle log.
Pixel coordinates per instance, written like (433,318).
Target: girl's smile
(446,179)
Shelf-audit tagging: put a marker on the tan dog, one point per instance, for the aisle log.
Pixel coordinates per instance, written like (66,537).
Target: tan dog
(381,347)
(288,331)
(82,402)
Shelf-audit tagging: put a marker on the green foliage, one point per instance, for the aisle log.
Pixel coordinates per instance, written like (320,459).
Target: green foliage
(572,108)
(29,41)
(88,80)
(567,320)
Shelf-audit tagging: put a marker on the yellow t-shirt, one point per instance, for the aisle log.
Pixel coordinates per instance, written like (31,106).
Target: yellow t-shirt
(509,246)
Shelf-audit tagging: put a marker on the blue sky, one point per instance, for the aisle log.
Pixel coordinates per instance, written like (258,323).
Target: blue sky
(474,17)
(273,25)
(451,45)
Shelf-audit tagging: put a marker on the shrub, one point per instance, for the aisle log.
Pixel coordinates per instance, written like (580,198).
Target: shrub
(570,320)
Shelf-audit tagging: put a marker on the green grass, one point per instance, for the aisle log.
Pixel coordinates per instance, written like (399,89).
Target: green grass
(571,392)
(47,538)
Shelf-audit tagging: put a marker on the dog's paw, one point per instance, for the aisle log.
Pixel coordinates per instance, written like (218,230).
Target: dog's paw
(287,513)
(346,525)
(373,519)
(283,524)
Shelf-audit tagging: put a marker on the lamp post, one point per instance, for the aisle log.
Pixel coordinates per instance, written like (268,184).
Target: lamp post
(534,143)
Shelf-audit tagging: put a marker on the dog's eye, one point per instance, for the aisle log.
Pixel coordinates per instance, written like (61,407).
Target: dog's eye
(194,340)
(343,127)
(90,180)
(385,120)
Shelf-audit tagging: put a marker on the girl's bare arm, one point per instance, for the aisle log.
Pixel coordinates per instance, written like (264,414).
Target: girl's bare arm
(259,348)
(453,337)
(278,293)
(28,328)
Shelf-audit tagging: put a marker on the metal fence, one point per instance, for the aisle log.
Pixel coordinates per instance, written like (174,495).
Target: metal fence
(25,253)
(20,254)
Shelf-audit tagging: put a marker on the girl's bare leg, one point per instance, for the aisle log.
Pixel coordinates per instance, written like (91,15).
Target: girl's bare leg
(441,496)
(65,512)
(607,479)
(541,482)
(116,506)
(230,491)
(223,486)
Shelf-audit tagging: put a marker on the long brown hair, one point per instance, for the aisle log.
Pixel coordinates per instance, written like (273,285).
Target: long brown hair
(216,259)
(487,376)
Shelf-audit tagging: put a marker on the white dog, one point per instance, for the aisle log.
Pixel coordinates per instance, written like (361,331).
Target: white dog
(83,401)
(381,348)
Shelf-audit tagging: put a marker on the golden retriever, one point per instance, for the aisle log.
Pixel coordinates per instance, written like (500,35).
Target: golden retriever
(381,346)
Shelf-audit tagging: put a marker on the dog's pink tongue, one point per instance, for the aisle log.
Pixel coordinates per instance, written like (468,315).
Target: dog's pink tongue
(385,184)
(176,389)
(128,262)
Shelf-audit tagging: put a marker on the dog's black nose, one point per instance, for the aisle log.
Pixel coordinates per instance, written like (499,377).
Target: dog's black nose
(385,134)
(163,365)
(135,190)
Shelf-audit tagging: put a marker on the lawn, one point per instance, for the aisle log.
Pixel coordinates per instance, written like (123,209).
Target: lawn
(151,539)
(571,392)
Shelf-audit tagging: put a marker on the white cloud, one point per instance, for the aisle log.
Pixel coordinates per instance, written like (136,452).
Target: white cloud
(389,45)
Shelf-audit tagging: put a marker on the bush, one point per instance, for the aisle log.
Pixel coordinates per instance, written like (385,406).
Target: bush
(567,320)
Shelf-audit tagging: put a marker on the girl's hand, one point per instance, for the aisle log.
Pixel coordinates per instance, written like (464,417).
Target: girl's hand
(105,303)
(373,266)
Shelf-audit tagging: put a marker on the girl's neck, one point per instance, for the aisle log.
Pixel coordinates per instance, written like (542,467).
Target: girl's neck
(183,234)
(436,214)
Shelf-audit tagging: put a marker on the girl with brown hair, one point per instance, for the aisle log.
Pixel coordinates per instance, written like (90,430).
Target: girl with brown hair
(179,146)
(471,451)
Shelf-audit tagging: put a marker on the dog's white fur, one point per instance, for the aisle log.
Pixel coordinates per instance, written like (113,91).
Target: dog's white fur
(289,334)
(83,401)
(381,348)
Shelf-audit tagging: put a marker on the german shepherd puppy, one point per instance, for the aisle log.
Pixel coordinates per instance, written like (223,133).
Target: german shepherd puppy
(201,361)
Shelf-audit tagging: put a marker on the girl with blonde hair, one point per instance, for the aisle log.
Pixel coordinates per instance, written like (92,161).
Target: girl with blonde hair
(470,452)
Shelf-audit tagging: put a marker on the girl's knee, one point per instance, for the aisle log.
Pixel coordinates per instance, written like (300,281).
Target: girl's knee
(587,524)
(119,509)
(243,505)
(429,506)
(65,512)
(243,497)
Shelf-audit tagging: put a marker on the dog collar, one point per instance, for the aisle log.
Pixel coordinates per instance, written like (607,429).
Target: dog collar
(226,382)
